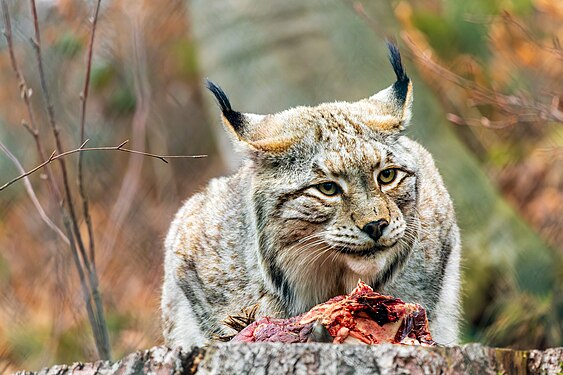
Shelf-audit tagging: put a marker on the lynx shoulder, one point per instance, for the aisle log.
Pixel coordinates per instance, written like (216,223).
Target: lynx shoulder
(326,195)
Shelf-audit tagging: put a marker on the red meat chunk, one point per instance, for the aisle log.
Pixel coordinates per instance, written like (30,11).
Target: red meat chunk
(363,316)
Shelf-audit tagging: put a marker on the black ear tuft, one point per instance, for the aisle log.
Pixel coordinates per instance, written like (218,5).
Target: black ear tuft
(395,59)
(401,86)
(220,95)
(236,119)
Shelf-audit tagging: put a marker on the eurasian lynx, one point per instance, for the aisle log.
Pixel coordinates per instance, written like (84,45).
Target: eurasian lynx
(326,195)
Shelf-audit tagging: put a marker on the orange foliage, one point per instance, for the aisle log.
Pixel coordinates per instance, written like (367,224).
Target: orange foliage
(510,100)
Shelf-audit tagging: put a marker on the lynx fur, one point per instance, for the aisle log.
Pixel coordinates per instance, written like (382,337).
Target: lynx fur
(326,195)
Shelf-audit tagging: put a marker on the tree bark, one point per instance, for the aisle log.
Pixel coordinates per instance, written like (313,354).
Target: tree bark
(267,358)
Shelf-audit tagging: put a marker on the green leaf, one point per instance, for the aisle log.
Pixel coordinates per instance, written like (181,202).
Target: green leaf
(68,45)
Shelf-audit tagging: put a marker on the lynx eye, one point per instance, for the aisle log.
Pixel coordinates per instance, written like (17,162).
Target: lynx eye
(328,188)
(387,176)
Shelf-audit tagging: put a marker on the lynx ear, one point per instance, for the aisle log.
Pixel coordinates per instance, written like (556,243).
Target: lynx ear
(392,106)
(259,132)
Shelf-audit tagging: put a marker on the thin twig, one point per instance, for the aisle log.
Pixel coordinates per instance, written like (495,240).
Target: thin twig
(84,99)
(54,156)
(509,19)
(33,196)
(32,128)
(483,121)
(36,43)
(70,220)
(84,286)
(85,267)
(517,107)
(25,93)
(85,206)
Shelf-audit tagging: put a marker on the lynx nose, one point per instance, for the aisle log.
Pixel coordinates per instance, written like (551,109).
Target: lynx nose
(374,228)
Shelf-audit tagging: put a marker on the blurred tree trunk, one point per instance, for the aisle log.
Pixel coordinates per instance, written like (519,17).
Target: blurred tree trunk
(269,56)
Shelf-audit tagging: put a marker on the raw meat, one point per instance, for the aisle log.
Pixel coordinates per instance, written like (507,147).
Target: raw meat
(363,316)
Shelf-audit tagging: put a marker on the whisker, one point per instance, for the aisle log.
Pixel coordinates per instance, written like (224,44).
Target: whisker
(296,263)
(332,257)
(310,257)
(304,246)
(312,235)
(319,254)
(299,260)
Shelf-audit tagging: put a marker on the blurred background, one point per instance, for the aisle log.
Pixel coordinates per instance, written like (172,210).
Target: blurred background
(487,77)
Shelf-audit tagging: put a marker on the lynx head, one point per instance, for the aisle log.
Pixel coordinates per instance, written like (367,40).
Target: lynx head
(333,188)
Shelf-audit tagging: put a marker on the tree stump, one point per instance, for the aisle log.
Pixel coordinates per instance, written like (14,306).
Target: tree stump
(274,358)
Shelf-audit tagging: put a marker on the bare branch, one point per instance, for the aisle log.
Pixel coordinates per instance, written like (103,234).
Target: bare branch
(518,108)
(509,19)
(84,99)
(33,196)
(70,223)
(36,43)
(84,264)
(25,94)
(70,220)
(164,158)
(84,94)
(54,156)
(483,121)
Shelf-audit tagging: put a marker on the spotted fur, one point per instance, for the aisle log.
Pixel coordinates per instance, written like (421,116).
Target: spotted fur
(269,236)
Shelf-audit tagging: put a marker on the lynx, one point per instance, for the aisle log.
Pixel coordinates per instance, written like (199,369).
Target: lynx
(325,196)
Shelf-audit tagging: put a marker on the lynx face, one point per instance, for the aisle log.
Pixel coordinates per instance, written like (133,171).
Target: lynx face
(357,207)
(351,209)
(334,191)
(344,203)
